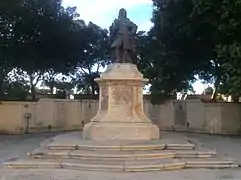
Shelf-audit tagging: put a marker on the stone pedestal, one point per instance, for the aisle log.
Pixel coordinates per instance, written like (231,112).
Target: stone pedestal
(121,114)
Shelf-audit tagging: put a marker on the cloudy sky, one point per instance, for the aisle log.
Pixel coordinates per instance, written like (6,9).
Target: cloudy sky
(103,12)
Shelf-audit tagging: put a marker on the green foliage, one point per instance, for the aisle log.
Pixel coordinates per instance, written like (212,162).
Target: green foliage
(6,60)
(95,57)
(39,36)
(169,50)
(232,83)
(193,37)
(16,90)
(224,18)
(208,90)
(64,87)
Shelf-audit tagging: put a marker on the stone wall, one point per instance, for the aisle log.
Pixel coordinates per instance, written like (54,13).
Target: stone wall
(55,115)
(45,115)
(213,118)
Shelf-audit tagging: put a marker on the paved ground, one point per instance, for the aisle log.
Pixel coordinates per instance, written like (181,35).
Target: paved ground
(17,146)
(229,146)
(77,175)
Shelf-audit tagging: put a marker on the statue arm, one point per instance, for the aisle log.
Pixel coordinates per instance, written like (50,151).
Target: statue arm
(133,28)
(113,27)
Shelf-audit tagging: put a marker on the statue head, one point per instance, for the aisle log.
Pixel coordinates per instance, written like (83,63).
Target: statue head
(122,13)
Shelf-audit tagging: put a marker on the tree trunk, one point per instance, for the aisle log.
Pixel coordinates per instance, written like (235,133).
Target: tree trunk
(34,76)
(1,90)
(33,92)
(51,80)
(3,76)
(216,86)
(217,82)
(32,88)
(93,91)
(52,89)
(235,98)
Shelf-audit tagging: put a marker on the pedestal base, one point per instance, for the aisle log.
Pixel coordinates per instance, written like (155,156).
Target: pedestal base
(121,114)
(130,131)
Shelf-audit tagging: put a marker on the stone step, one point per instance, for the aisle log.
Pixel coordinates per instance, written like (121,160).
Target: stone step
(131,147)
(183,163)
(211,163)
(119,155)
(33,164)
(123,166)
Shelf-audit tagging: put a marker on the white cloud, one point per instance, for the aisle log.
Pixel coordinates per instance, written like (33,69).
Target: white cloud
(96,6)
(102,12)
(144,25)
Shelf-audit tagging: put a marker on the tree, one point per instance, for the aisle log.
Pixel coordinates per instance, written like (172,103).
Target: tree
(190,38)
(208,90)
(63,88)
(95,57)
(45,38)
(16,87)
(65,44)
(49,80)
(16,90)
(6,55)
(169,49)
(231,84)
(223,19)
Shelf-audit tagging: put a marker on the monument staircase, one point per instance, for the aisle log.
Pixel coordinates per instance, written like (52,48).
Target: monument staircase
(68,151)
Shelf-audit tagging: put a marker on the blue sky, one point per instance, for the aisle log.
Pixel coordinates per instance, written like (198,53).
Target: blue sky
(103,12)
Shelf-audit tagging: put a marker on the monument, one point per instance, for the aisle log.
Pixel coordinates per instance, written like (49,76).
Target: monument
(120,138)
(120,114)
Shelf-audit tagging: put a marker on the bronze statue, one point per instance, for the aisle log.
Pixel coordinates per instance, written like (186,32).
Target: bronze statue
(122,33)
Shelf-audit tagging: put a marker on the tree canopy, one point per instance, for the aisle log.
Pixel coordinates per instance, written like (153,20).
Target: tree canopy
(190,38)
(43,39)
